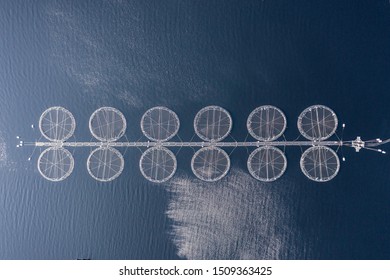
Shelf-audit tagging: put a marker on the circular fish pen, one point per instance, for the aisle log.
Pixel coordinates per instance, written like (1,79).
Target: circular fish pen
(57,124)
(158,164)
(160,124)
(107,124)
(105,164)
(267,163)
(210,164)
(266,123)
(213,123)
(55,164)
(320,163)
(317,122)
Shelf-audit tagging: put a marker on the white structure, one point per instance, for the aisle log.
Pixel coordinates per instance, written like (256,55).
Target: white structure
(105,164)
(57,124)
(55,164)
(320,163)
(158,164)
(317,123)
(210,163)
(358,144)
(266,123)
(107,124)
(213,123)
(267,163)
(160,124)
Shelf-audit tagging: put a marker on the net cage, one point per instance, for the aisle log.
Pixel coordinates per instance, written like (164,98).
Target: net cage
(105,164)
(320,163)
(213,123)
(266,123)
(57,124)
(55,164)
(158,164)
(267,163)
(160,124)
(317,122)
(107,124)
(210,164)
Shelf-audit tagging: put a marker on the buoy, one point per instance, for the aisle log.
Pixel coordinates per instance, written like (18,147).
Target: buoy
(29,159)
(17,137)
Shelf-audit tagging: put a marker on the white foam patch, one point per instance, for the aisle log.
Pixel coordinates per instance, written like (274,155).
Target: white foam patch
(236,218)
(84,64)
(96,60)
(130,99)
(3,153)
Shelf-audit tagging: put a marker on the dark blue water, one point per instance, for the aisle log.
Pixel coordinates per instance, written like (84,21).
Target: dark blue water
(134,55)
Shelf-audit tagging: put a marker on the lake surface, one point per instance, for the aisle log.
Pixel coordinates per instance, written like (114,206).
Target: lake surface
(133,55)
